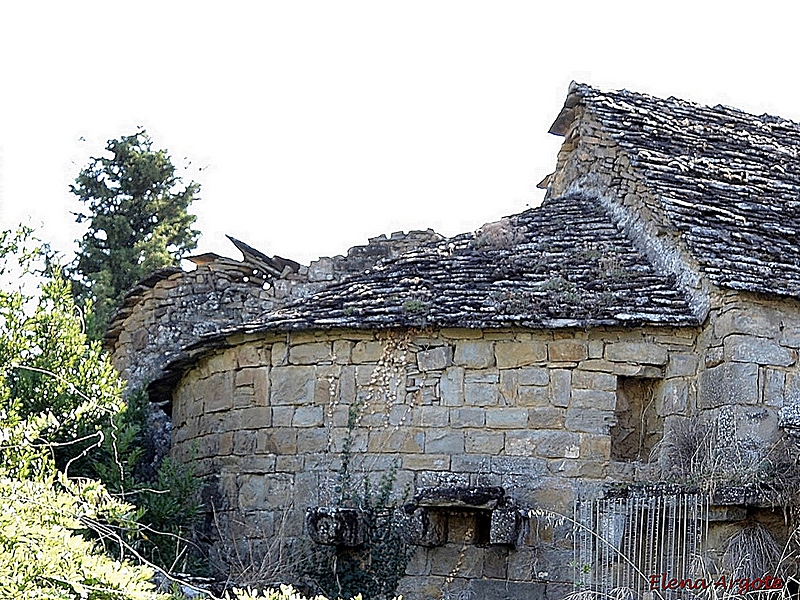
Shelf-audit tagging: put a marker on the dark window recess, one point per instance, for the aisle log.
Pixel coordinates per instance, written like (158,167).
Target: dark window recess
(638,426)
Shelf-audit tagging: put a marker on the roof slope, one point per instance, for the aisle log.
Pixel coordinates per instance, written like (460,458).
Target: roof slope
(564,264)
(728,181)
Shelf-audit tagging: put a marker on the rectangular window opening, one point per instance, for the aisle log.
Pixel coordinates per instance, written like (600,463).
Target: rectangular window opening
(638,426)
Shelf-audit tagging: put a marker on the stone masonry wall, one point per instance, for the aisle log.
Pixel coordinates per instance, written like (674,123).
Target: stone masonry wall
(747,361)
(159,319)
(529,411)
(748,369)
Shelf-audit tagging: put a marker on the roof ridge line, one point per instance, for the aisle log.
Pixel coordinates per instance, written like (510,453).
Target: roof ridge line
(664,256)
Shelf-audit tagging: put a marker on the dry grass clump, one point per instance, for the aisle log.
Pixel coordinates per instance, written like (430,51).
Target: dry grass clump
(707,454)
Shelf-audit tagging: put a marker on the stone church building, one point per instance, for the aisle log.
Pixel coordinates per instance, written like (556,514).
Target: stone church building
(587,393)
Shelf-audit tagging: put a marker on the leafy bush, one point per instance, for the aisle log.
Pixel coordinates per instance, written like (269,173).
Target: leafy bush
(42,551)
(286,592)
(61,414)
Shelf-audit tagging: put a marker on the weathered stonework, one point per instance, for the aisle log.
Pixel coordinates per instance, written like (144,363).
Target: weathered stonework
(536,356)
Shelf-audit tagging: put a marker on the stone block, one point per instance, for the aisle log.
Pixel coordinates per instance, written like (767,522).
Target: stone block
(247,355)
(256,417)
(714,356)
(567,351)
(279,354)
(335,526)
(546,417)
(594,446)
(467,417)
(586,469)
(342,352)
(461,333)
(506,418)
(482,376)
(442,441)
(312,440)
(484,442)
(366,375)
(529,395)
(292,385)
(558,444)
(509,386)
(494,562)
(465,559)
(728,383)
(637,352)
(561,386)
(222,363)
(749,349)
(519,465)
(420,562)
(277,440)
(600,400)
(521,442)
(596,348)
(396,440)
(775,389)
(480,394)
(218,392)
(436,359)
(244,442)
(589,420)
(599,364)
(674,398)
(451,386)
(474,354)
(509,355)
(263,492)
(469,463)
(430,416)
(261,386)
(502,589)
(682,365)
(505,526)
(748,322)
(426,462)
(308,416)
(310,354)
(594,380)
(244,377)
(423,527)
(367,352)
(539,376)
(282,416)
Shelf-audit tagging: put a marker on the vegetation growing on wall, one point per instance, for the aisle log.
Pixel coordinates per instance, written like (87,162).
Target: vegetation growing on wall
(375,567)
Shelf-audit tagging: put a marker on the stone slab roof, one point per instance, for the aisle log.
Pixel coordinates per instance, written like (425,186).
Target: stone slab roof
(727,181)
(563,264)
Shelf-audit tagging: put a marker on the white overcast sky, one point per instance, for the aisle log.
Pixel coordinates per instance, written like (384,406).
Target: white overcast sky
(320,124)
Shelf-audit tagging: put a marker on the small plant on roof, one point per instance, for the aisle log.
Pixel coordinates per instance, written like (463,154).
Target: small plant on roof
(415,306)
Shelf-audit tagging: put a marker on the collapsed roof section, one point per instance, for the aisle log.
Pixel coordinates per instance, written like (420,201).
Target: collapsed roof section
(564,264)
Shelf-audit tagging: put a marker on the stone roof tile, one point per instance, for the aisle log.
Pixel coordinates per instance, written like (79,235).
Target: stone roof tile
(727,181)
(563,264)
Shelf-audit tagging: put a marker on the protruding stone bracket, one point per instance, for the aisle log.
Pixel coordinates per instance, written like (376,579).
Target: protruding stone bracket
(425,520)
(423,527)
(335,526)
(506,526)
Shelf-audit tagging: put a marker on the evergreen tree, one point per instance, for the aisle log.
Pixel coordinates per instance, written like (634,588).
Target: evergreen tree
(137,210)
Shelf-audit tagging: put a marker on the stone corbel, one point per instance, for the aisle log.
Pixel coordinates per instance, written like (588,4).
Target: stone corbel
(335,526)
(425,520)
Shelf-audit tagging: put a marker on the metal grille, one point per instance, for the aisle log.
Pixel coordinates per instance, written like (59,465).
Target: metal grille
(620,543)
